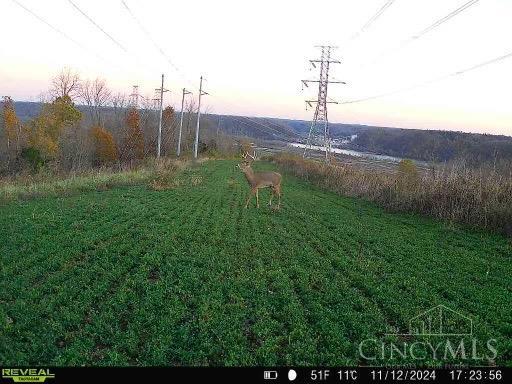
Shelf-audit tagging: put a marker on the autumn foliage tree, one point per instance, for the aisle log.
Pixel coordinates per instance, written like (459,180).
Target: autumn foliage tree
(11,123)
(44,131)
(133,147)
(105,149)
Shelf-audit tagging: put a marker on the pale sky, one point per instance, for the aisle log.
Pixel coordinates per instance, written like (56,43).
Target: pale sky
(253,55)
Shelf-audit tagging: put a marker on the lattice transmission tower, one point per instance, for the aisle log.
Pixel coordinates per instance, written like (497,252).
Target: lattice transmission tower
(320,121)
(134,97)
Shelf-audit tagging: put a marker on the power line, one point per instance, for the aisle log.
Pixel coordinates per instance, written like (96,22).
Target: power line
(483,64)
(162,52)
(68,37)
(155,44)
(135,95)
(424,31)
(231,104)
(445,19)
(372,19)
(262,124)
(148,35)
(110,37)
(98,26)
(369,22)
(60,32)
(258,123)
(433,80)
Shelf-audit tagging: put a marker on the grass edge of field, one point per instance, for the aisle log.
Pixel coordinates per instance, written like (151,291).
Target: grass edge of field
(98,180)
(449,225)
(160,173)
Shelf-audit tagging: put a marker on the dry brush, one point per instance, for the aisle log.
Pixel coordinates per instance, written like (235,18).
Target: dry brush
(481,198)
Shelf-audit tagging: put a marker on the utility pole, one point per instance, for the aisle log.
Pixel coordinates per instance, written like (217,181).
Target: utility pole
(185,92)
(162,90)
(201,93)
(320,116)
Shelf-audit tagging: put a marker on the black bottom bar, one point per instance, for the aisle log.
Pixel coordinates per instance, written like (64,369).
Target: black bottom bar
(261,375)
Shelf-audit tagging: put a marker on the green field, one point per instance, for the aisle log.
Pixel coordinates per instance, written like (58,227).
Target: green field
(186,276)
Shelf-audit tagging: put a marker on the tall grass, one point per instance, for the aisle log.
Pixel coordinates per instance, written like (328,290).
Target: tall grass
(48,184)
(481,198)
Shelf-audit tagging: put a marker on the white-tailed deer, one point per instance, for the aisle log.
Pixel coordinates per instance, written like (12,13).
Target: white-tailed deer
(259,180)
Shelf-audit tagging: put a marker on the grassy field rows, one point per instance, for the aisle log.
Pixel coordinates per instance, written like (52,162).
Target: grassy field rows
(186,276)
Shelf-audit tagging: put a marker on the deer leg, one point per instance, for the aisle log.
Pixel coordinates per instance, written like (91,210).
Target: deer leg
(257,200)
(271,196)
(278,190)
(249,198)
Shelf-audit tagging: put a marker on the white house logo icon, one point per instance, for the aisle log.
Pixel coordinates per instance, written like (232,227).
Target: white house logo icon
(441,321)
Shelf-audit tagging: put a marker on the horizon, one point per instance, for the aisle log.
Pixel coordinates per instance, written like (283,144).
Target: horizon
(377,58)
(330,122)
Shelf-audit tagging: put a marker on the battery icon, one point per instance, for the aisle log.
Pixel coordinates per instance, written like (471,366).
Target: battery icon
(270,375)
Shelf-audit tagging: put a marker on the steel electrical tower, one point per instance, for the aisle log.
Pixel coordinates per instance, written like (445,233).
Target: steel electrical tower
(134,97)
(320,117)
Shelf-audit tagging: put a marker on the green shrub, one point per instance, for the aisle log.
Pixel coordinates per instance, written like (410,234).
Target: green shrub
(33,156)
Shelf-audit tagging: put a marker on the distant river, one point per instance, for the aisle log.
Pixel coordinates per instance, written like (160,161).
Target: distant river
(350,152)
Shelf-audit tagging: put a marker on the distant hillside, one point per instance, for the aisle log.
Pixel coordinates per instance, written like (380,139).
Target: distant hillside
(259,128)
(27,110)
(266,128)
(436,145)
(337,129)
(426,145)
(256,127)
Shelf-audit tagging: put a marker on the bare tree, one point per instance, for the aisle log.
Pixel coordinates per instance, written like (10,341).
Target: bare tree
(44,97)
(96,95)
(188,131)
(117,119)
(149,125)
(66,83)
(119,103)
(75,151)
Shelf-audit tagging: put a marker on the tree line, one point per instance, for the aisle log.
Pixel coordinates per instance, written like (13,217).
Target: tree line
(438,146)
(82,123)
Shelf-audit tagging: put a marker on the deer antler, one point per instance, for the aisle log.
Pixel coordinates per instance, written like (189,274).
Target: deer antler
(247,155)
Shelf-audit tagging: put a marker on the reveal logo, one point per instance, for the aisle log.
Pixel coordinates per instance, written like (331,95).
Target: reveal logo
(27,375)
